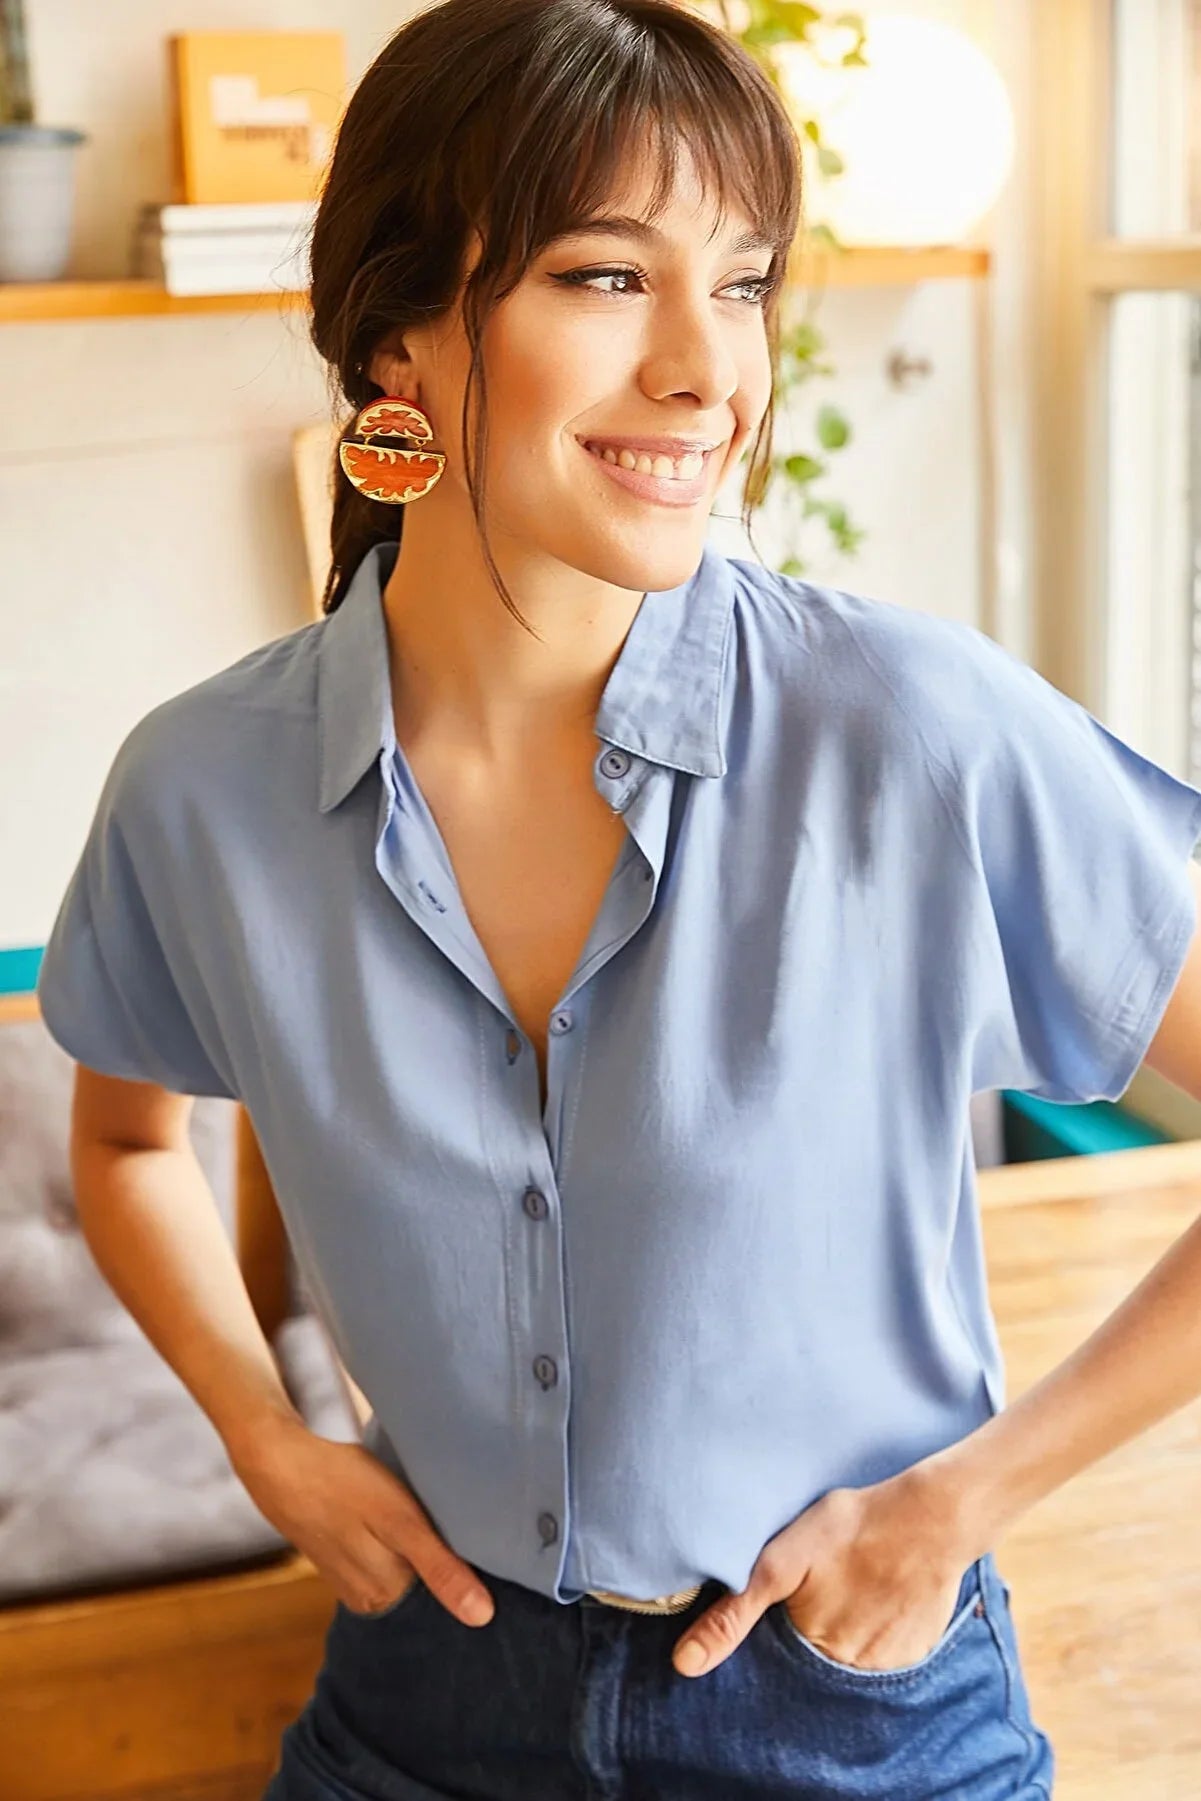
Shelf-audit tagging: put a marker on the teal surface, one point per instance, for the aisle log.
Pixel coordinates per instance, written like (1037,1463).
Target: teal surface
(19,969)
(1035,1128)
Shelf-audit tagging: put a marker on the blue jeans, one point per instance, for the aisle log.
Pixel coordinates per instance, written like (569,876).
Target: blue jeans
(580,1702)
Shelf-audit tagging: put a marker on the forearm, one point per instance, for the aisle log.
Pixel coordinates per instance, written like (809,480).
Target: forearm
(1142,1363)
(152,1224)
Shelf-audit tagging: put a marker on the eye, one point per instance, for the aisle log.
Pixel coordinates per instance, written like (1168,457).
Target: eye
(758,285)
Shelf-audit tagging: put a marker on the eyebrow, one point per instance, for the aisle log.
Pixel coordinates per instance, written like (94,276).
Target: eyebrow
(608,224)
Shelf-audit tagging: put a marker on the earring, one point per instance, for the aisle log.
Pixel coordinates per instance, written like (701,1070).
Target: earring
(386,471)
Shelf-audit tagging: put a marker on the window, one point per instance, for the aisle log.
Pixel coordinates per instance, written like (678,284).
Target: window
(1117,444)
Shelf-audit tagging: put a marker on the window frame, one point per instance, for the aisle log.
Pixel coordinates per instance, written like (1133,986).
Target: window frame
(1118,653)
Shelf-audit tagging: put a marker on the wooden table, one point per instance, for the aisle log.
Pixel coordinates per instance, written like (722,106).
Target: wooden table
(1106,1571)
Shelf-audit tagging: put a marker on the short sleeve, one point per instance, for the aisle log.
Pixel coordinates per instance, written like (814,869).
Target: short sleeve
(1080,850)
(109,984)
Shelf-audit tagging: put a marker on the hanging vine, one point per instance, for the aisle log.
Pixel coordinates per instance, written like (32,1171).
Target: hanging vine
(762,26)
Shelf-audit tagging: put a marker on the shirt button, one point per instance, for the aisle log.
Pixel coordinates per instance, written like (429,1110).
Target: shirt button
(548,1528)
(534,1202)
(512,1043)
(546,1371)
(614,763)
(561,1021)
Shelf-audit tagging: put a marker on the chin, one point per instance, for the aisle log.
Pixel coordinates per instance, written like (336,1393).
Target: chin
(666,562)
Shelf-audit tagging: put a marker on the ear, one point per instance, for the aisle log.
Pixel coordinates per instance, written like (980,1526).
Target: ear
(391,368)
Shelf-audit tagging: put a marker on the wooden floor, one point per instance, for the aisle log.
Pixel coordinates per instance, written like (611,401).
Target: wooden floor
(1106,1572)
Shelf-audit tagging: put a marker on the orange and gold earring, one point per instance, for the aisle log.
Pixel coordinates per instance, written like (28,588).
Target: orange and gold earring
(385,471)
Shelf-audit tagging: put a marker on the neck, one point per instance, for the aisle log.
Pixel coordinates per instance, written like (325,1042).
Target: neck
(465,672)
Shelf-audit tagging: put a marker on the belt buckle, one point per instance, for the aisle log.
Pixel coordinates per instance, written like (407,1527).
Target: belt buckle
(674,1603)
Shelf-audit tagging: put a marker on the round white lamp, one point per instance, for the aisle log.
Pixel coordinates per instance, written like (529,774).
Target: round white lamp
(925,132)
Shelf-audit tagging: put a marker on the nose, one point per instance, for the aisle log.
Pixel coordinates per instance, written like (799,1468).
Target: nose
(691,350)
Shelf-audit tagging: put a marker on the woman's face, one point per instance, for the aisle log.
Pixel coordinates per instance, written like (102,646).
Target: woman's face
(608,335)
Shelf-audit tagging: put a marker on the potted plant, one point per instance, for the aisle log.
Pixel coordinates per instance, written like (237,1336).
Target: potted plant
(37,168)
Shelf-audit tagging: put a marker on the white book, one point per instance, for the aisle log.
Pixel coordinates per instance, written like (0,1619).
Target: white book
(232,278)
(249,215)
(193,245)
(223,274)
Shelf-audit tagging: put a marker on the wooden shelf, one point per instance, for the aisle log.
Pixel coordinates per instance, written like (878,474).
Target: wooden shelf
(29,302)
(885,265)
(24,301)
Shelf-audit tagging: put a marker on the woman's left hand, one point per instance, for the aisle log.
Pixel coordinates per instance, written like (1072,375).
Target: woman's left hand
(868,1575)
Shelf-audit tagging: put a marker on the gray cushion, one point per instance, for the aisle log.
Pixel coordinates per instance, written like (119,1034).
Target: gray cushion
(110,1472)
(987,1127)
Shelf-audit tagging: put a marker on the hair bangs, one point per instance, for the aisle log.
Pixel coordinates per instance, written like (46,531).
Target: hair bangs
(637,99)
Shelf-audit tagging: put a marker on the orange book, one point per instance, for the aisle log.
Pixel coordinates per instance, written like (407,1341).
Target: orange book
(254,113)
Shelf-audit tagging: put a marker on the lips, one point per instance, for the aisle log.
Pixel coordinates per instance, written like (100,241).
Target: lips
(663,461)
(668,490)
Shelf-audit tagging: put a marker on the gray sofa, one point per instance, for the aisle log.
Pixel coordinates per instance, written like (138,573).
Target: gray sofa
(110,1473)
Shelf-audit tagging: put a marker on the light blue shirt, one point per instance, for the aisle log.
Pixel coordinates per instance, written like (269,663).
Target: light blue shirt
(875,864)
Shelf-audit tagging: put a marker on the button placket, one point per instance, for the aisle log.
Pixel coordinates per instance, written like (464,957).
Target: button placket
(536,1136)
(546,1302)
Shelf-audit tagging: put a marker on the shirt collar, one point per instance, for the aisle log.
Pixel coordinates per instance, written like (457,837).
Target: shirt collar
(662,698)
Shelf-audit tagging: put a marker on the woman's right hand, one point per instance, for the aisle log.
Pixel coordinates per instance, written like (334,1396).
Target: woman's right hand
(357,1522)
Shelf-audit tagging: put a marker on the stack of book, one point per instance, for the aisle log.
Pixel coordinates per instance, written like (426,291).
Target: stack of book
(231,247)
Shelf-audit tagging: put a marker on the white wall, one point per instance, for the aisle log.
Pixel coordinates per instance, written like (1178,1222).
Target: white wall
(149,522)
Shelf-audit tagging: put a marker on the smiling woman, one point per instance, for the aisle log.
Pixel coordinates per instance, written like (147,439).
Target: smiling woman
(605,986)
(562,129)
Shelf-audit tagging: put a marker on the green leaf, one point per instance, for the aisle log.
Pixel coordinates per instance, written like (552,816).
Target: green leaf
(756,35)
(802,340)
(833,428)
(795,13)
(801,468)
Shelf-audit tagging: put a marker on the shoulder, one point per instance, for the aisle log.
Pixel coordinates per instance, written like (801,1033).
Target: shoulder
(879,664)
(243,717)
(1014,760)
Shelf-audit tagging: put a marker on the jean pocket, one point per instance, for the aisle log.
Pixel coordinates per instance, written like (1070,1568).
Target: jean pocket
(969,1605)
(393,1607)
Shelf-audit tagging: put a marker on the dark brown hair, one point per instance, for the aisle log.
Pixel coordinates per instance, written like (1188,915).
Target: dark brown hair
(514,117)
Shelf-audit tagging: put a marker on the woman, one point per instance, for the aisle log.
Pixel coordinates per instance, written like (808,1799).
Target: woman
(607,979)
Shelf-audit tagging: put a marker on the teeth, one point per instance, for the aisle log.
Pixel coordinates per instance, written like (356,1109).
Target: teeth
(684,469)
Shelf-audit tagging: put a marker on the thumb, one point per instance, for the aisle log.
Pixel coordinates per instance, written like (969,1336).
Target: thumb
(714,1634)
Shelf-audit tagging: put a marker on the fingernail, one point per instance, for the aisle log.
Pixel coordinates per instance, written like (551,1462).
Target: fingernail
(691,1658)
(479,1610)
